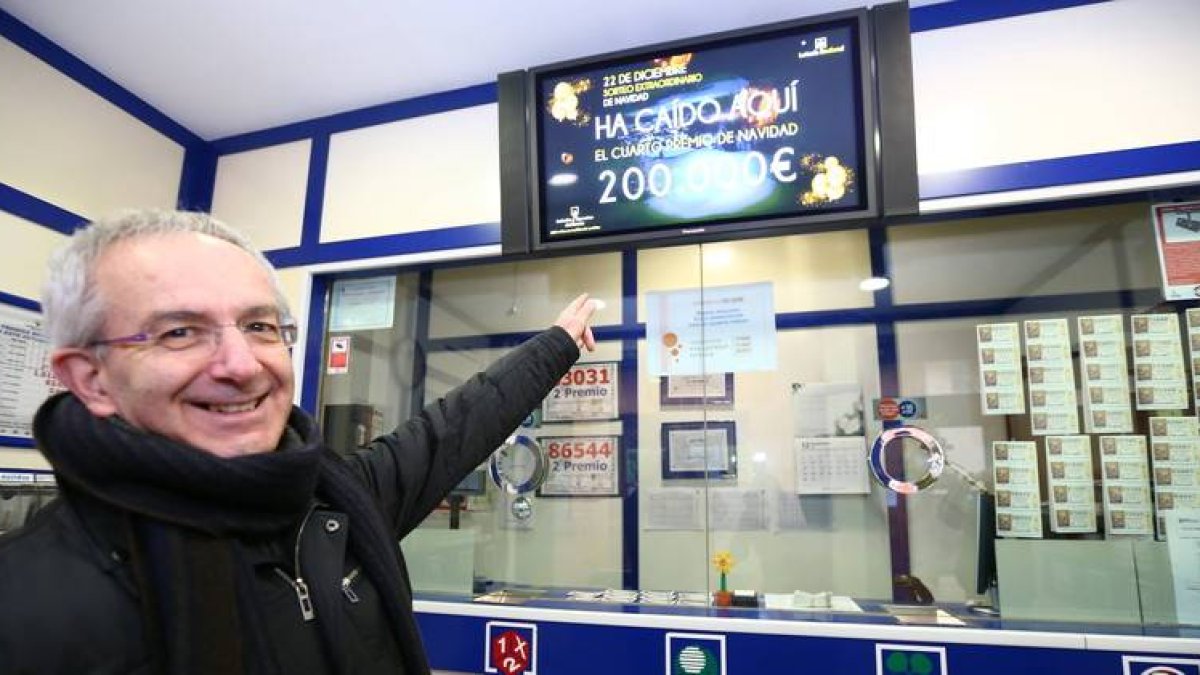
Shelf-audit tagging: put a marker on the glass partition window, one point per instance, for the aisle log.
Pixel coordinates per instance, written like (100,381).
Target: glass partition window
(748,385)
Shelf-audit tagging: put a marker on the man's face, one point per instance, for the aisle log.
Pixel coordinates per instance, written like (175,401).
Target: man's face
(231,399)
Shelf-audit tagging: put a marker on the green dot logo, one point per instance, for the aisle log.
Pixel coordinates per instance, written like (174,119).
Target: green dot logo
(896,660)
(695,660)
(909,664)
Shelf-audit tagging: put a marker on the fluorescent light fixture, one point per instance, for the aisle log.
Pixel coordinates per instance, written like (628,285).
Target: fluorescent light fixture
(718,256)
(874,284)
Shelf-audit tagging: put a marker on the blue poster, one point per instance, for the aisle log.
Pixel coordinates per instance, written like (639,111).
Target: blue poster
(715,329)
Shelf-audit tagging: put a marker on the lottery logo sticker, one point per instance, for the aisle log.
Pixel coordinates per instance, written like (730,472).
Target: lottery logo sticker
(695,654)
(1159,665)
(511,648)
(910,660)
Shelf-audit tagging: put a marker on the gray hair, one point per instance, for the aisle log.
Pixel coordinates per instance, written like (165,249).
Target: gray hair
(73,308)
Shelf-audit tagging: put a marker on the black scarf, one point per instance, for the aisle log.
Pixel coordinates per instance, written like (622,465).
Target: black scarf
(182,511)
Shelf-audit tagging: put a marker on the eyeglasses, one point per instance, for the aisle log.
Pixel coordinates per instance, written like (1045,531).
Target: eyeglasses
(181,337)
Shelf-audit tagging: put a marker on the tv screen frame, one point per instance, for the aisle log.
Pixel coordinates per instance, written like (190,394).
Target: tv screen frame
(864,129)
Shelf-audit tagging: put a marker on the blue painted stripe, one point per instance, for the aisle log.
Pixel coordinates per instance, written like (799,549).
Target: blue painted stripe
(881,264)
(71,66)
(420,360)
(1062,171)
(364,117)
(889,385)
(18,301)
(18,442)
(1142,297)
(313,346)
(505,340)
(963,12)
(197,180)
(40,212)
(314,197)
(449,238)
(628,407)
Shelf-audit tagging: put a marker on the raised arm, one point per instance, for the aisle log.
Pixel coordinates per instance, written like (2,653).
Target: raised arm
(411,469)
(576,320)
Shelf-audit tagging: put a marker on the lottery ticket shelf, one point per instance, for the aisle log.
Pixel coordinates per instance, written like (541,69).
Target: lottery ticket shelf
(561,635)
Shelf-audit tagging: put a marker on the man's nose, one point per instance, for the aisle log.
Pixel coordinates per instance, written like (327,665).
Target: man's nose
(233,355)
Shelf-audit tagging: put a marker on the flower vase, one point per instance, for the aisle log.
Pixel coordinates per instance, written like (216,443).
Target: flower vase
(722,597)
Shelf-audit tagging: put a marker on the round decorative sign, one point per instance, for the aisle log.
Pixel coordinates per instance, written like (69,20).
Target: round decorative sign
(518,466)
(935,461)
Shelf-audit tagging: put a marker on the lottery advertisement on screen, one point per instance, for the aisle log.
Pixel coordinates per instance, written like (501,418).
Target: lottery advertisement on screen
(760,126)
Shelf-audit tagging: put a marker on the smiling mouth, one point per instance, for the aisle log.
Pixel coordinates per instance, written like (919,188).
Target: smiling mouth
(232,408)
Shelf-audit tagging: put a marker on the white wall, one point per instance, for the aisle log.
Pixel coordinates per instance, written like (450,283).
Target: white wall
(261,192)
(70,147)
(67,146)
(1087,79)
(414,175)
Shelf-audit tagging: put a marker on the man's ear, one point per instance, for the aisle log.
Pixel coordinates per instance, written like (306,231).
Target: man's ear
(82,372)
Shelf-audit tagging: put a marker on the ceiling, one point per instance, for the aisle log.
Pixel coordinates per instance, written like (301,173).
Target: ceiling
(226,67)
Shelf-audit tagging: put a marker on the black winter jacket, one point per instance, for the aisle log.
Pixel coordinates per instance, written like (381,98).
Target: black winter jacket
(68,605)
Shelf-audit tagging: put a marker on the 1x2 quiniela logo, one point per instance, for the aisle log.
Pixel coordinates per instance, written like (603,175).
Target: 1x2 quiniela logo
(576,221)
(695,654)
(510,648)
(820,47)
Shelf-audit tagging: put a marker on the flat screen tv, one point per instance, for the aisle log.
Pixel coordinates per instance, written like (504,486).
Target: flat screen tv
(757,128)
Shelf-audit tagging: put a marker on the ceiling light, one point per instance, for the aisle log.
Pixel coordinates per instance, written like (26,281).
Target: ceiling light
(874,284)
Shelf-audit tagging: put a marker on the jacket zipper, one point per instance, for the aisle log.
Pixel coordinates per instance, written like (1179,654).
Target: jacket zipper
(298,584)
(347,581)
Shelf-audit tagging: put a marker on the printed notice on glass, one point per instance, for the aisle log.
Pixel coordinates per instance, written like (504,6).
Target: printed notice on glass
(1183,550)
(717,329)
(1174,466)
(1159,379)
(1177,233)
(697,390)
(1105,379)
(821,409)
(831,466)
(671,509)
(1002,388)
(737,509)
(1018,498)
(25,376)
(1192,317)
(587,392)
(362,304)
(1052,405)
(1069,468)
(1125,485)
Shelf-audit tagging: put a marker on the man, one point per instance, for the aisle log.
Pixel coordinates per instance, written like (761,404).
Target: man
(203,526)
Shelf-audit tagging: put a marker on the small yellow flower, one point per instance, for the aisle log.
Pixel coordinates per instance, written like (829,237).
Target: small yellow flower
(723,560)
